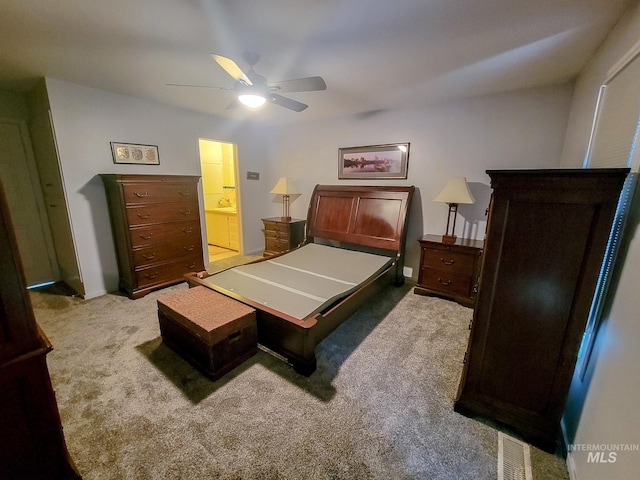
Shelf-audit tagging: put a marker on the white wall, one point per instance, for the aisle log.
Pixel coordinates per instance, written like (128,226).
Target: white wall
(608,412)
(522,129)
(87,119)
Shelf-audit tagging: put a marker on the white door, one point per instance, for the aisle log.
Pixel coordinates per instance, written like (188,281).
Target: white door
(20,180)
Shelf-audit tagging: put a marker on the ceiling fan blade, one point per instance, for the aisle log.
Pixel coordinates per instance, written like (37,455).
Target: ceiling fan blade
(232,69)
(287,103)
(234,104)
(308,84)
(196,86)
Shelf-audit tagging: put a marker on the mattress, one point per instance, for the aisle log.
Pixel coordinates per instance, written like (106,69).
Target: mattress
(303,281)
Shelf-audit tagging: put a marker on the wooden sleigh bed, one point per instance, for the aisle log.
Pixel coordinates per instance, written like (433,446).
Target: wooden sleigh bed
(355,239)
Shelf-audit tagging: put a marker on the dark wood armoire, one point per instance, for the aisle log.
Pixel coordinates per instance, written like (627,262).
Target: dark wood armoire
(546,238)
(32,444)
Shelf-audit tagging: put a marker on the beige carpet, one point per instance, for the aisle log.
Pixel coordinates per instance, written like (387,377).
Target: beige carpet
(378,407)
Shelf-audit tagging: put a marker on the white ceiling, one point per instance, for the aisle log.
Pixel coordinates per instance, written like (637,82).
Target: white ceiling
(373,54)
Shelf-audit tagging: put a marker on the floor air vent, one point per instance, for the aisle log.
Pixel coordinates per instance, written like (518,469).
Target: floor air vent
(514,459)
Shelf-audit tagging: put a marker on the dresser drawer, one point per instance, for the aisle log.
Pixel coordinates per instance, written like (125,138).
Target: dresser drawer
(161,273)
(170,212)
(446,282)
(449,260)
(164,252)
(136,193)
(169,232)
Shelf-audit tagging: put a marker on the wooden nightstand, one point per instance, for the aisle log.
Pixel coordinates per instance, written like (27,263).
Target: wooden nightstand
(449,270)
(282,235)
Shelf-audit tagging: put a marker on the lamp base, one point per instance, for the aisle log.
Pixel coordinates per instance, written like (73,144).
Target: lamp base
(449,238)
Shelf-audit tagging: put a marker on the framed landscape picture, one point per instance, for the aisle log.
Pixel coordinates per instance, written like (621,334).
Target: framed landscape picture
(135,153)
(388,161)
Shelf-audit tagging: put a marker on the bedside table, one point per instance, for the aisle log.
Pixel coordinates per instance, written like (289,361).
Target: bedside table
(449,270)
(282,235)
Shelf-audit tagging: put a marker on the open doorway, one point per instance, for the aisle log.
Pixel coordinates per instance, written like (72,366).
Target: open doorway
(218,164)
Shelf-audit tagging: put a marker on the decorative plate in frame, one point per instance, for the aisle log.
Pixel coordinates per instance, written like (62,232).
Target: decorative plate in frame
(135,153)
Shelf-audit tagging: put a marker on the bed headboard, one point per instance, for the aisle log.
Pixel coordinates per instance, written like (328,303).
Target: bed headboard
(374,216)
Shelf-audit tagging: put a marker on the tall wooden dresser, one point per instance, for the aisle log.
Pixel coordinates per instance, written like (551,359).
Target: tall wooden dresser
(156,229)
(32,444)
(546,238)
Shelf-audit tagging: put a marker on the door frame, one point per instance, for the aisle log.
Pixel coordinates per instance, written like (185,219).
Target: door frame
(236,178)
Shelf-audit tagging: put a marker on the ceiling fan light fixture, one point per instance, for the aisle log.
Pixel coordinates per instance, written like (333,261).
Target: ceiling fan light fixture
(251,100)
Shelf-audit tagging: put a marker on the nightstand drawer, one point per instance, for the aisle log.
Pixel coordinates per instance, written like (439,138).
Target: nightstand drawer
(276,228)
(445,259)
(276,245)
(276,236)
(446,282)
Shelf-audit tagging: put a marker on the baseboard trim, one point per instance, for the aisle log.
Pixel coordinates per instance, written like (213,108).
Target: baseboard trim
(571,466)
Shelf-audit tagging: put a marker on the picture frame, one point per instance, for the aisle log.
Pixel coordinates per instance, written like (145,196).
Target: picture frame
(388,161)
(135,153)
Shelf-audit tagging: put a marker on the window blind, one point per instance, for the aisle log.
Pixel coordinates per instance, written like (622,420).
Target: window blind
(613,144)
(613,141)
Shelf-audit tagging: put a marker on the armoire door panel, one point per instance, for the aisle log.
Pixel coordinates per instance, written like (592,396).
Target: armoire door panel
(544,269)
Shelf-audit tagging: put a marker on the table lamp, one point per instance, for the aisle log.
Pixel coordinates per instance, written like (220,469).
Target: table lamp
(455,193)
(285,187)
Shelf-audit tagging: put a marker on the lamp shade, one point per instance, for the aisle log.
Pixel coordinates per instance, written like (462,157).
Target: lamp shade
(456,191)
(285,186)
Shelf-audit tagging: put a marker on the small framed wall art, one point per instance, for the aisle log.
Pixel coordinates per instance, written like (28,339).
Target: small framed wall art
(389,161)
(135,153)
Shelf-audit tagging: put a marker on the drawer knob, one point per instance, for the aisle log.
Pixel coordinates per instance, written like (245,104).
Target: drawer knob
(184,193)
(151,276)
(144,216)
(146,237)
(444,283)
(141,195)
(187,230)
(191,265)
(150,256)
(185,212)
(189,248)
(447,262)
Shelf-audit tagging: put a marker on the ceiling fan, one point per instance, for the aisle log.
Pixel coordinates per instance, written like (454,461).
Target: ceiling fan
(253,90)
